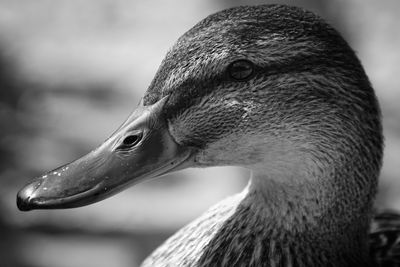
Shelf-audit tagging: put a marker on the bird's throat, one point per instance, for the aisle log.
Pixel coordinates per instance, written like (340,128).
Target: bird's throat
(274,226)
(285,214)
(286,229)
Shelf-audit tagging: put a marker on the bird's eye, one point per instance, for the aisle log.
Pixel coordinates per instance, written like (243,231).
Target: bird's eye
(131,140)
(241,70)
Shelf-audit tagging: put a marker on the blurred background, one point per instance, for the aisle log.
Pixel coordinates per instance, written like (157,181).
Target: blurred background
(70,73)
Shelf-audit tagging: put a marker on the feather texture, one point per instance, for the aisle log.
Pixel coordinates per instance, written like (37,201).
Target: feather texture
(307,123)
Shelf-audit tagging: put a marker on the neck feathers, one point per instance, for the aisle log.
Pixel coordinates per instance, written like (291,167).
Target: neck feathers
(186,247)
(274,227)
(286,232)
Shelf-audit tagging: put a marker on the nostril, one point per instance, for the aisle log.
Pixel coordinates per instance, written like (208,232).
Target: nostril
(131,140)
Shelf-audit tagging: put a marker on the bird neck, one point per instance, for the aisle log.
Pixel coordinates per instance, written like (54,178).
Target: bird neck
(279,224)
(322,214)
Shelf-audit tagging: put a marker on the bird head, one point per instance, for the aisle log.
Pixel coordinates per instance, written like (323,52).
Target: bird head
(269,88)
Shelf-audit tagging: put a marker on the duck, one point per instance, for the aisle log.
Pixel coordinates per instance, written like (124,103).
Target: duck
(271,88)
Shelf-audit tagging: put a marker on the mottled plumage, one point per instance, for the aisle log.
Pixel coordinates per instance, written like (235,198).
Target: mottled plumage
(271,88)
(310,100)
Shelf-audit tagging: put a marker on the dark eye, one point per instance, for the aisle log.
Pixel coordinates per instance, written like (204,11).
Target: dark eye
(241,70)
(131,140)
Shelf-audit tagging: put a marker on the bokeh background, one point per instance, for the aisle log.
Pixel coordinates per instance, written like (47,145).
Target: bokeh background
(72,70)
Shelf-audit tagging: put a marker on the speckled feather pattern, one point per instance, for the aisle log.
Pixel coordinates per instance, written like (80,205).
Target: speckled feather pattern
(186,247)
(307,123)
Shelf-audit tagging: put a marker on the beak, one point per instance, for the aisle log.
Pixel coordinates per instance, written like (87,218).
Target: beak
(141,149)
